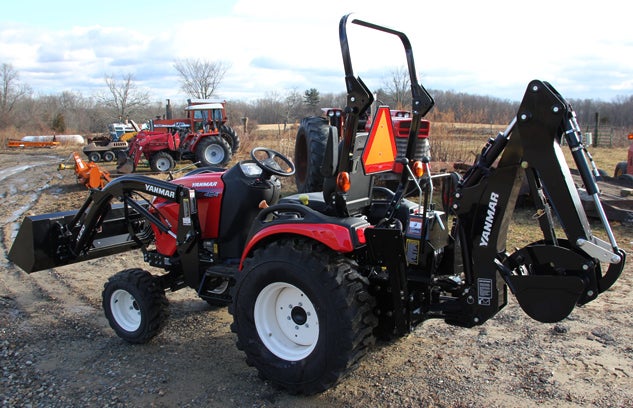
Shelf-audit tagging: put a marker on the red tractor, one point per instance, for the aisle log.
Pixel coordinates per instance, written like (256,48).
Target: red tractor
(202,137)
(205,135)
(312,279)
(624,170)
(160,148)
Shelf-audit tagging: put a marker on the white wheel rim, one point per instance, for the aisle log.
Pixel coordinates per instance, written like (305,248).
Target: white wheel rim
(125,310)
(163,164)
(286,321)
(214,154)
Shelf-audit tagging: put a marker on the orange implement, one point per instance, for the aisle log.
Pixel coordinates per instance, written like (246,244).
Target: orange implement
(22,143)
(89,174)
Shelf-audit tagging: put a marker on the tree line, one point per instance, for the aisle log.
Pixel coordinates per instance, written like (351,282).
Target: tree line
(21,111)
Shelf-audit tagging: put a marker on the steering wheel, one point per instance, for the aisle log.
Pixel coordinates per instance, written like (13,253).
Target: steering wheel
(270,165)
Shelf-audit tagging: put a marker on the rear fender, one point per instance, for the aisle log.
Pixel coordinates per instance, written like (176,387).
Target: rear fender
(342,235)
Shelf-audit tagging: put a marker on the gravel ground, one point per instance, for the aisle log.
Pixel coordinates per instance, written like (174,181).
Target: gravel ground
(57,350)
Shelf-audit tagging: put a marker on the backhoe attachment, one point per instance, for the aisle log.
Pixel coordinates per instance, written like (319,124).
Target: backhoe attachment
(553,275)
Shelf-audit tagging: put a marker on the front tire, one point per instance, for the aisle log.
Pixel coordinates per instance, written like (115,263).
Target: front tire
(302,315)
(213,151)
(94,157)
(135,305)
(162,162)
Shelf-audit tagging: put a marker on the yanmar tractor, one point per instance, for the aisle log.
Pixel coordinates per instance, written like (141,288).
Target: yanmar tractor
(313,279)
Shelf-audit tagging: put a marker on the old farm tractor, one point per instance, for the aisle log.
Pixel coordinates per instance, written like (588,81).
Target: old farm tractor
(202,137)
(312,279)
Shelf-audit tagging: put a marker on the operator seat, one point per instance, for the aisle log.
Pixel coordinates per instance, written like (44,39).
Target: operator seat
(358,198)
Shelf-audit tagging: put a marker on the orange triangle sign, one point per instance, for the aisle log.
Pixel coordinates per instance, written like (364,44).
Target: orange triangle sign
(380,151)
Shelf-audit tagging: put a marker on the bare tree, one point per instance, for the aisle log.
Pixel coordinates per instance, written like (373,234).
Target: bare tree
(200,78)
(11,93)
(398,87)
(124,97)
(292,102)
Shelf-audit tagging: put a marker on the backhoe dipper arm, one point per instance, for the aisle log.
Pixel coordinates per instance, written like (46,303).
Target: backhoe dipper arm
(548,277)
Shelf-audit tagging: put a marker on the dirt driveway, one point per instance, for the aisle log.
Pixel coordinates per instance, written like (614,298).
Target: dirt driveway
(56,348)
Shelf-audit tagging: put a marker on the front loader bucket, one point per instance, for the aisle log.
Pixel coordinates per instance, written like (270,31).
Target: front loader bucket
(36,243)
(124,164)
(40,245)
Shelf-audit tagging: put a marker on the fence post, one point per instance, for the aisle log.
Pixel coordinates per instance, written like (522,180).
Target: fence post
(595,136)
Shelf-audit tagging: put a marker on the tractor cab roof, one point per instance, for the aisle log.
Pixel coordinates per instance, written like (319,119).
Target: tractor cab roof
(205,106)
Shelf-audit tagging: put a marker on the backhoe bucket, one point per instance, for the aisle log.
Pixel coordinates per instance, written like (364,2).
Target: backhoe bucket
(41,245)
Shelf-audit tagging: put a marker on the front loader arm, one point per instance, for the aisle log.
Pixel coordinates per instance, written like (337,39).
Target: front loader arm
(100,228)
(548,277)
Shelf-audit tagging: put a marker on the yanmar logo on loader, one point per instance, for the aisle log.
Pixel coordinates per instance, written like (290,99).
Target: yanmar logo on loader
(490,219)
(160,191)
(205,184)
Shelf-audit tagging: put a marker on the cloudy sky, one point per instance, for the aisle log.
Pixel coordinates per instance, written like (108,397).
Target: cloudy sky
(487,47)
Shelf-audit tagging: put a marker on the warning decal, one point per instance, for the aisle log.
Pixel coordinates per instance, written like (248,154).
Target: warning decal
(380,151)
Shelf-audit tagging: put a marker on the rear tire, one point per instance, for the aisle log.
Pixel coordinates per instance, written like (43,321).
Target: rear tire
(626,178)
(229,134)
(309,152)
(620,170)
(135,305)
(213,151)
(162,162)
(302,315)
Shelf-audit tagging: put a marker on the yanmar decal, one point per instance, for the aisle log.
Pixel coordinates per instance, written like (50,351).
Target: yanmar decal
(490,219)
(160,191)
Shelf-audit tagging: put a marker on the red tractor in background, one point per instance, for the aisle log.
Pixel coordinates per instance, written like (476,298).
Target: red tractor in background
(312,138)
(624,169)
(202,137)
(205,118)
(159,147)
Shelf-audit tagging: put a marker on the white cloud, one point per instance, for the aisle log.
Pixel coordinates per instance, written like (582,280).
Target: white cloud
(490,46)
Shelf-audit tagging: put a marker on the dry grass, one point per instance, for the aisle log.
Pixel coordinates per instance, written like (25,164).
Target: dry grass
(450,142)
